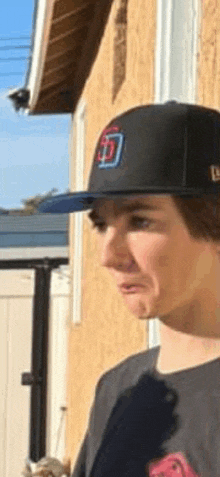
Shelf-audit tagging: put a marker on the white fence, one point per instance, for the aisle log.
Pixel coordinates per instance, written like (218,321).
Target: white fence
(16,296)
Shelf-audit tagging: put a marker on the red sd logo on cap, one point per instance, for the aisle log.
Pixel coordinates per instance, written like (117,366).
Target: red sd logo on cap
(110,148)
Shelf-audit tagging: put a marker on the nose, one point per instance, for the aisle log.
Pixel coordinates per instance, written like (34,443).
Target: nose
(114,250)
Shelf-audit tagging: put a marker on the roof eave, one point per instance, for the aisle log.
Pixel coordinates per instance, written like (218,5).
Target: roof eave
(65,45)
(41,37)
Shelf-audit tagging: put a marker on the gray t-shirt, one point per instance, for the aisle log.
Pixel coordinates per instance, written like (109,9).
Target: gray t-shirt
(135,405)
(198,409)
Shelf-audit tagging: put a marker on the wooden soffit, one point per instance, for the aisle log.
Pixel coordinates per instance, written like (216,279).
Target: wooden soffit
(67,35)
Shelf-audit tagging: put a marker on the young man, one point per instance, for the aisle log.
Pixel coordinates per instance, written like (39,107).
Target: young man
(154,196)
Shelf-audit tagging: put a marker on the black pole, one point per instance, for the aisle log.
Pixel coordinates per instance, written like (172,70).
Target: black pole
(38,414)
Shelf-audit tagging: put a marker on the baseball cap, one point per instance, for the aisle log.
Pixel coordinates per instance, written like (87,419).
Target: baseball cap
(170,148)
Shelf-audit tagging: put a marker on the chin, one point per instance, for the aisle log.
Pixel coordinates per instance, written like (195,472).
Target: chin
(143,310)
(143,315)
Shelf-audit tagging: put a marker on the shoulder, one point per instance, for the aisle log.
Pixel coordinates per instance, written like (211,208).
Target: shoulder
(128,371)
(113,384)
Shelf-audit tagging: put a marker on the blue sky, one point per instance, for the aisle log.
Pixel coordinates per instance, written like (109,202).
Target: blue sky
(34,149)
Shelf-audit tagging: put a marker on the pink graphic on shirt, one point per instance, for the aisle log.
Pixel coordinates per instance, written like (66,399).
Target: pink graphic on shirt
(173,465)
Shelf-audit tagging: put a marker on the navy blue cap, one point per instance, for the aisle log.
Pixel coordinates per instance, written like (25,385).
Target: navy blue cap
(170,148)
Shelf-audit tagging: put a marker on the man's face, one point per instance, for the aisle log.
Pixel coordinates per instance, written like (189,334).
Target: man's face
(158,266)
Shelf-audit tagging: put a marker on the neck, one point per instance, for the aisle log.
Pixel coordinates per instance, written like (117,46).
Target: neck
(181,350)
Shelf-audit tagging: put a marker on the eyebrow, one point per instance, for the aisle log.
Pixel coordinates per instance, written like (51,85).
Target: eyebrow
(93,215)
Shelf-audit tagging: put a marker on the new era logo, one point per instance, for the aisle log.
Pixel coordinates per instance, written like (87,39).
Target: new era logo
(215,173)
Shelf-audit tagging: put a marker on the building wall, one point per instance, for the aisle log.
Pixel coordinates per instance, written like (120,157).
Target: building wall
(107,332)
(209,55)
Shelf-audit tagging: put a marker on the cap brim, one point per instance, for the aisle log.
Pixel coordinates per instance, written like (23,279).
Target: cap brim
(80,201)
(64,203)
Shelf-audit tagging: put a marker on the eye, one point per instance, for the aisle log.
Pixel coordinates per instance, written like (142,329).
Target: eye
(134,222)
(141,222)
(99,225)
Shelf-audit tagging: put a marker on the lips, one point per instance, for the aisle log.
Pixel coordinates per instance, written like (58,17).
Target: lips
(128,288)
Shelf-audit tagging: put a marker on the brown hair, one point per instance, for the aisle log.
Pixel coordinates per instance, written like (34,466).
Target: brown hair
(201,215)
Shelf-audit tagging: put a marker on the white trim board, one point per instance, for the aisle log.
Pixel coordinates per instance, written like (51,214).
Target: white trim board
(19,253)
(44,17)
(175,70)
(176,50)
(79,144)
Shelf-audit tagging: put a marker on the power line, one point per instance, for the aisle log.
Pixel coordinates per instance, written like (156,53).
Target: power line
(16,38)
(20,58)
(11,74)
(16,47)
